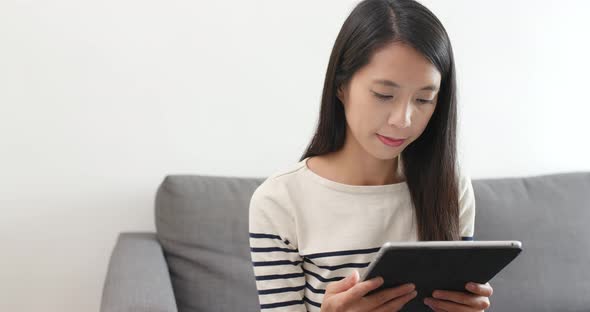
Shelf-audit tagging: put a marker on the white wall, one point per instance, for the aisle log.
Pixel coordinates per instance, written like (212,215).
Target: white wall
(99,100)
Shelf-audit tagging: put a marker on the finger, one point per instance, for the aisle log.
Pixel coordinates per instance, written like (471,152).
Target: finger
(343,284)
(377,299)
(457,296)
(480,302)
(397,303)
(480,289)
(362,288)
(451,306)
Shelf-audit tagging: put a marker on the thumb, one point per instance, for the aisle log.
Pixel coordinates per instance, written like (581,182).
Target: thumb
(345,283)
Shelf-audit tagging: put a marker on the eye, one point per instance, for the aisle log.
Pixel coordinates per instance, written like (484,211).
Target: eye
(382,96)
(423,101)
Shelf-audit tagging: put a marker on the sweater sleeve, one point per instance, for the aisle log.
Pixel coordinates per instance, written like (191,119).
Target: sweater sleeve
(466,207)
(273,248)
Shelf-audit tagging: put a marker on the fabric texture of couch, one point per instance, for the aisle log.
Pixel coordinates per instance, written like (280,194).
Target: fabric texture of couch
(199,257)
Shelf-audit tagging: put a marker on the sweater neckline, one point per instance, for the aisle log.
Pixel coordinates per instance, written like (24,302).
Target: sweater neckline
(349,188)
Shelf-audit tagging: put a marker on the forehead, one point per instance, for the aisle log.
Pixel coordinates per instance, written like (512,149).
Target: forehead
(403,64)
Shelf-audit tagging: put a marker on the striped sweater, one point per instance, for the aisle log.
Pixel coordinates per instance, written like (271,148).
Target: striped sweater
(307,231)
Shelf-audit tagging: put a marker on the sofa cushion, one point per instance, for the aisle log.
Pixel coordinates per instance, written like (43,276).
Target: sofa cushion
(550,215)
(202,224)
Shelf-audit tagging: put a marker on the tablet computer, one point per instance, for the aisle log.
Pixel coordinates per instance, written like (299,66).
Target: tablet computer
(444,265)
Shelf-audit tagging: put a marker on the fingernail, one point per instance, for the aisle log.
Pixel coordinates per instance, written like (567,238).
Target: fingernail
(471,286)
(411,286)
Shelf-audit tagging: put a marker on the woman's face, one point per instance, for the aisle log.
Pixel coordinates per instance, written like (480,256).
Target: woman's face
(393,96)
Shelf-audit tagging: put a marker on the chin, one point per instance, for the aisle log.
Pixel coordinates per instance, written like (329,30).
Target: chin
(386,153)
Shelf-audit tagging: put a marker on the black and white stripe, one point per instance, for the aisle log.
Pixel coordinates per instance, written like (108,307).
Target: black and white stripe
(305,275)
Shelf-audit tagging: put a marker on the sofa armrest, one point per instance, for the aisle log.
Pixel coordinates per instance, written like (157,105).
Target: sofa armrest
(138,279)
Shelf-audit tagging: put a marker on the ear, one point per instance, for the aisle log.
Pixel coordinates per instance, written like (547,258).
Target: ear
(340,93)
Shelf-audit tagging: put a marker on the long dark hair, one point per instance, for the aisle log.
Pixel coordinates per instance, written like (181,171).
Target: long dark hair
(429,163)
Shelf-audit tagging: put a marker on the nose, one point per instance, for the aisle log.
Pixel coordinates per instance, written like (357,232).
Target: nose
(401,114)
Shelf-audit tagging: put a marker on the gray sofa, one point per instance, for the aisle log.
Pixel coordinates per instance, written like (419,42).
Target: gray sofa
(199,259)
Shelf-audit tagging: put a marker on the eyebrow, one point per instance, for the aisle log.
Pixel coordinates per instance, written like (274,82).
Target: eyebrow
(390,83)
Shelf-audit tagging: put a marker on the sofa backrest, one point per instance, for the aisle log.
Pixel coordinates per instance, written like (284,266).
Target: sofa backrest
(550,214)
(202,224)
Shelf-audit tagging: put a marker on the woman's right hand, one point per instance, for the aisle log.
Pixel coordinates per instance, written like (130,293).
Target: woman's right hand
(347,295)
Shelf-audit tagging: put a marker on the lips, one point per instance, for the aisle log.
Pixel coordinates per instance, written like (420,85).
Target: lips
(391,138)
(389,141)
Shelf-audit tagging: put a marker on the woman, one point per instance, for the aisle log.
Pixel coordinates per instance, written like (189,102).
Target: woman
(380,167)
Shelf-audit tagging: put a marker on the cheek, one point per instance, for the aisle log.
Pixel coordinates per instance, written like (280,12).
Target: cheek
(423,118)
(354,118)
(357,111)
(365,116)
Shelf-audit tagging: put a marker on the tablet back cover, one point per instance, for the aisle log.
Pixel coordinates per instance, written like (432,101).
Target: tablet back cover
(441,268)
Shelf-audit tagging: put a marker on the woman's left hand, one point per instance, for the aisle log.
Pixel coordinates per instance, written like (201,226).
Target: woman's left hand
(455,301)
